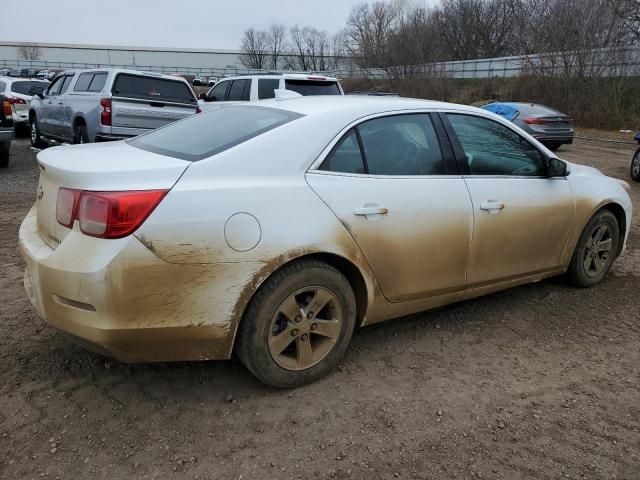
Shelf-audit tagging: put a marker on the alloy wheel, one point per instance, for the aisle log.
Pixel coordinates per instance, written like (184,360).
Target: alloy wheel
(635,165)
(598,250)
(34,132)
(305,328)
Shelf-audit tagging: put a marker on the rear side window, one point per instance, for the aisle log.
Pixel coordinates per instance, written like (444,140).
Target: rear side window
(206,134)
(267,88)
(24,87)
(2,86)
(345,156)
(153,89)
(65,85)
(312,87)
(90,82)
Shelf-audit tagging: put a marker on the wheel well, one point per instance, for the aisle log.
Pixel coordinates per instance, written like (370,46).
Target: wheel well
(79,121)
(32,115)
(620,215)
(346,268)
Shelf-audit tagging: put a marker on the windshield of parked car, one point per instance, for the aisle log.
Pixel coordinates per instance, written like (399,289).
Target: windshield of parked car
(313,87)
(205,134)
(24,87)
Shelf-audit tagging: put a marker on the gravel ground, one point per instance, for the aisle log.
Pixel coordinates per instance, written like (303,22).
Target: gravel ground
(541,381)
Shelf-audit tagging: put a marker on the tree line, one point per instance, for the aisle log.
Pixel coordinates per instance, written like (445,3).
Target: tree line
(401,34)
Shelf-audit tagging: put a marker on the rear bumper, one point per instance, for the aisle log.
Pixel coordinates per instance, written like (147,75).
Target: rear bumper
(117,298)
(547,138)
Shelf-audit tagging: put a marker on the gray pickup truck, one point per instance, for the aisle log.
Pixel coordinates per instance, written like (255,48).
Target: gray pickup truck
(6,130)
(106,104)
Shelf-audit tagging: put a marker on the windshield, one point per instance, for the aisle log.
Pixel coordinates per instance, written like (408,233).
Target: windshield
(205,134)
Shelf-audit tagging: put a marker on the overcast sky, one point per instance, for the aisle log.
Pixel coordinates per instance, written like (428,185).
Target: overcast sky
(162,23)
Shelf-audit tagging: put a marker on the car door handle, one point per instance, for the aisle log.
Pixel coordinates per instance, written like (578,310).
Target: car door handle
(492,206)
(370,210)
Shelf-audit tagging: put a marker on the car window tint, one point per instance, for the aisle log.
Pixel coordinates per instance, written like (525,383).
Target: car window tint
(82,85)
(401,145)
(219,92)
(236,92)
(98,81)
(54,88)
(2,86)
(152,88)
(346,156)
(312,87)
(201,136)
(23,87)
(65,84)
(494,149)
(267,87)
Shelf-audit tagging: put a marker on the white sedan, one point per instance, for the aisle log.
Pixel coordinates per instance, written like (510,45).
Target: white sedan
(275,229)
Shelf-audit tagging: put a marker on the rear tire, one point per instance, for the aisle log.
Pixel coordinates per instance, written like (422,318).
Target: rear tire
(596,250)
(80,134)
(635,166)
(36,139)
(4,154)
(290,349)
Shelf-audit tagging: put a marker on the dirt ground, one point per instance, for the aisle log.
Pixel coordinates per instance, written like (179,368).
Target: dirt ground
(541,381)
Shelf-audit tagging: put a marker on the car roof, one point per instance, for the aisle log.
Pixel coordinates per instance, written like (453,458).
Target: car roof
(359,105)
(291,76)
(121,70)
(21,79)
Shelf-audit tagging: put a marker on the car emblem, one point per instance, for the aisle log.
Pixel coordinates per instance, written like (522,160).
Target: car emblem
(154,93)
(40,192)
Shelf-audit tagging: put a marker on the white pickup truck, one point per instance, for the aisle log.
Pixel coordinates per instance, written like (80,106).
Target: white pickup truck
(249,88)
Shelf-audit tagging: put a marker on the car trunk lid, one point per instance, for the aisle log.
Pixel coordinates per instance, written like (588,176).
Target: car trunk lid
(103,167)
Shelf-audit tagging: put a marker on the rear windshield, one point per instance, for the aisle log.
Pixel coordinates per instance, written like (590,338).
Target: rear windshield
(538,111)
(205,134)
(313,87)
(150,88)
(24,87)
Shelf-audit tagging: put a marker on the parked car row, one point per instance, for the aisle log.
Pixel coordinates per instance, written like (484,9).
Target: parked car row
(17,93)
(28,73)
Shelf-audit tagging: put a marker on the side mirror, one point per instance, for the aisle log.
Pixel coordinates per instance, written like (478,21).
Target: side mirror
(558,168)
(36,90)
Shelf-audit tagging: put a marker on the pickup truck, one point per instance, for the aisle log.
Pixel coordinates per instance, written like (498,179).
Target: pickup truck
(6,130)
(81,106)
(250,88)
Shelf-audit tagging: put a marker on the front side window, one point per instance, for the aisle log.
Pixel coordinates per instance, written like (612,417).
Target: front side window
(394,145)
(219,92)
(491,148)
(207,134)
(65,84)
(54,88)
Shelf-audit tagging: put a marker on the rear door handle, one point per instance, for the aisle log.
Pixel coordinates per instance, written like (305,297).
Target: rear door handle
(492,206)
(370,210)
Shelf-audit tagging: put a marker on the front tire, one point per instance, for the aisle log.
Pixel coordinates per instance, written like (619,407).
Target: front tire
(34,129)
(553,146)
(80,134)
(596,250)
(298,325)
(635,166)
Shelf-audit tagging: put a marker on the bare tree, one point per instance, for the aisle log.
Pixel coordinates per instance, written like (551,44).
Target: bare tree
(254,48)
(29,51)
(276,42)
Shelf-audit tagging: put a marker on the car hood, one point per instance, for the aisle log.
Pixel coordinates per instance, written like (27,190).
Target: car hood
(584,171)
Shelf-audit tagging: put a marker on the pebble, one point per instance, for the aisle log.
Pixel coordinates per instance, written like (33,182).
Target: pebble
(229,398)
(439,412)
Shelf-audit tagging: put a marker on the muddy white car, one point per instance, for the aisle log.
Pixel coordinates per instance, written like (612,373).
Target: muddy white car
(273,230)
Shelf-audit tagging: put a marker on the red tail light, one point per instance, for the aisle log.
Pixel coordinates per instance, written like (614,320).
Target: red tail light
(105,114)
(535,121)
(106,214)
(6,108)
(17,101)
